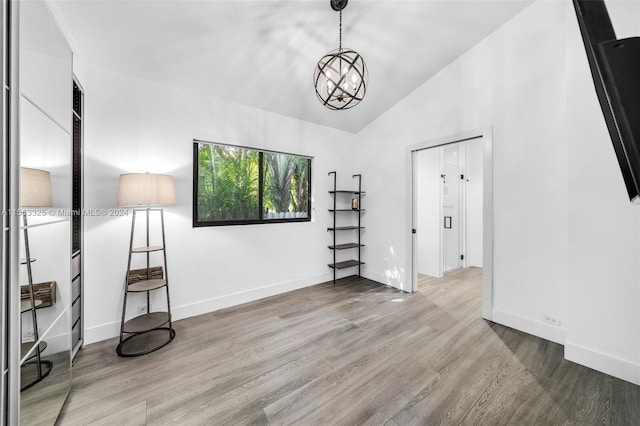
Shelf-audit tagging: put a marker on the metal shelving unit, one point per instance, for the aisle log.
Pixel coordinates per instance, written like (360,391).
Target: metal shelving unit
(335,247)
(77,193)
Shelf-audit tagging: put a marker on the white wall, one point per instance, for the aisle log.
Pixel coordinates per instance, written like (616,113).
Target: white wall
(603,227)
(45,143)
(428,212)
(547,203)
(135,126)
(513,80)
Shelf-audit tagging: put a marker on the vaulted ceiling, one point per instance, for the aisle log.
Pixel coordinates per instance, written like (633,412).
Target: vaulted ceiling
(262,53)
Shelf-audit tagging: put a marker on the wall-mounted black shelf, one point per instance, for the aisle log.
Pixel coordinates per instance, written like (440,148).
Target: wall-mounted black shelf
(345,264)
(345,246)
(345,228)
(346,191)
(357,209)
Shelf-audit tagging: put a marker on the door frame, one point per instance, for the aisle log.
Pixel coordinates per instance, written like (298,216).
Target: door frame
(486,135)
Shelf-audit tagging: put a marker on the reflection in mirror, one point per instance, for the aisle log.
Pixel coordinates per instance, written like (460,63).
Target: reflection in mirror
(35,191)
(47,273)
(45,146)
(45,63)
(41,403)
(46,79)
(46,344)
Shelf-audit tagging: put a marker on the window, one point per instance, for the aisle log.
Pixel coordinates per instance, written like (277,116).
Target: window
(236,186)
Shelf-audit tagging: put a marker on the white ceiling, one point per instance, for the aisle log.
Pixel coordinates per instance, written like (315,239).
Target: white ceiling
(262,53)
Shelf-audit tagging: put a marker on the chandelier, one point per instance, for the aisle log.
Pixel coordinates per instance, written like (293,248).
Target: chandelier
(341,76)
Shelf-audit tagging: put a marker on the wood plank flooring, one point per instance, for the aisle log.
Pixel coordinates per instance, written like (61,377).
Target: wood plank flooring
(356,353)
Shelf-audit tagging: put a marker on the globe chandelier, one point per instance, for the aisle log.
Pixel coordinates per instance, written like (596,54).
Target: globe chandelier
(341,76)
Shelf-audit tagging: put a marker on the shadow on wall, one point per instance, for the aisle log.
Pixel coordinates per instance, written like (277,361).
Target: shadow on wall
(101,189)
(394,274)
(101,184)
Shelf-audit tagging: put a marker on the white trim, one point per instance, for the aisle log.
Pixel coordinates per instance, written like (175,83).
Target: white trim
(486,133)
(46,114)
(377,277)
(112,329)
(101,332)
(606,363)
(487,225)
(536,328)
(58,16)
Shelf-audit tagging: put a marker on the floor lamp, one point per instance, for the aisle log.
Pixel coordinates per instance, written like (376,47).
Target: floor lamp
(35,191)
(137,190)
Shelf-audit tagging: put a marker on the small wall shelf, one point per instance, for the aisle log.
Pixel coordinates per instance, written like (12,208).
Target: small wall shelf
(345,246)
(345,228)
(358,210)
(346,264)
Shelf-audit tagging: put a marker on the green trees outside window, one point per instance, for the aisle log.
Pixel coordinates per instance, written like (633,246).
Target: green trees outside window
(236,185)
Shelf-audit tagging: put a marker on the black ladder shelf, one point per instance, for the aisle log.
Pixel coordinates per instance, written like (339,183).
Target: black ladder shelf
(356,204)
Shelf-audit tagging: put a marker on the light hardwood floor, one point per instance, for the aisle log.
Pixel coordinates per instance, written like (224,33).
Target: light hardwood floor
(356,353)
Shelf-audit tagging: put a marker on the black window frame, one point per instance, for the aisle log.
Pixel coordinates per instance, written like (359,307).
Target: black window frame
(261,220)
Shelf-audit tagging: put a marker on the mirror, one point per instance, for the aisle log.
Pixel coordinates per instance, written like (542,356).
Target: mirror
(46,79)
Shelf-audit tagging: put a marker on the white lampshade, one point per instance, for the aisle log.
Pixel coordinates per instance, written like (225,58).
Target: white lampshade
(35,188)
(144,189)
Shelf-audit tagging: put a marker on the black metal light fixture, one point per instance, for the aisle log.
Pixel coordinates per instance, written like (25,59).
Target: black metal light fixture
(341,75)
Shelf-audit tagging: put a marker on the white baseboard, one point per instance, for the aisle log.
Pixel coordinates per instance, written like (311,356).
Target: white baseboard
(606,363)
(101,332)
(536,328)
(205,306)
(374,276)
(112,329)
(382,279)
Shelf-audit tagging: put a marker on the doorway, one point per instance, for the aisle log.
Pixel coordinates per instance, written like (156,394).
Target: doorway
(452,177)
(452,208)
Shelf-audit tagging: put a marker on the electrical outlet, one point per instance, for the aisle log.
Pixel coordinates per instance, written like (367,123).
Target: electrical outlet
(142,310)
(27,336)
(551,320)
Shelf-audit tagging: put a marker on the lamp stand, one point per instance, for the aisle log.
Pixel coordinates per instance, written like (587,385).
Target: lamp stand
(31,306)
(136,333)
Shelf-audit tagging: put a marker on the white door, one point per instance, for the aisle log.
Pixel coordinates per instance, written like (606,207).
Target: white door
(451,208)
(428,221)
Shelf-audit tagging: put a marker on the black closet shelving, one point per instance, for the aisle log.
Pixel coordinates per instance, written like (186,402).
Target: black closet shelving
(77,278)
(356,208)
